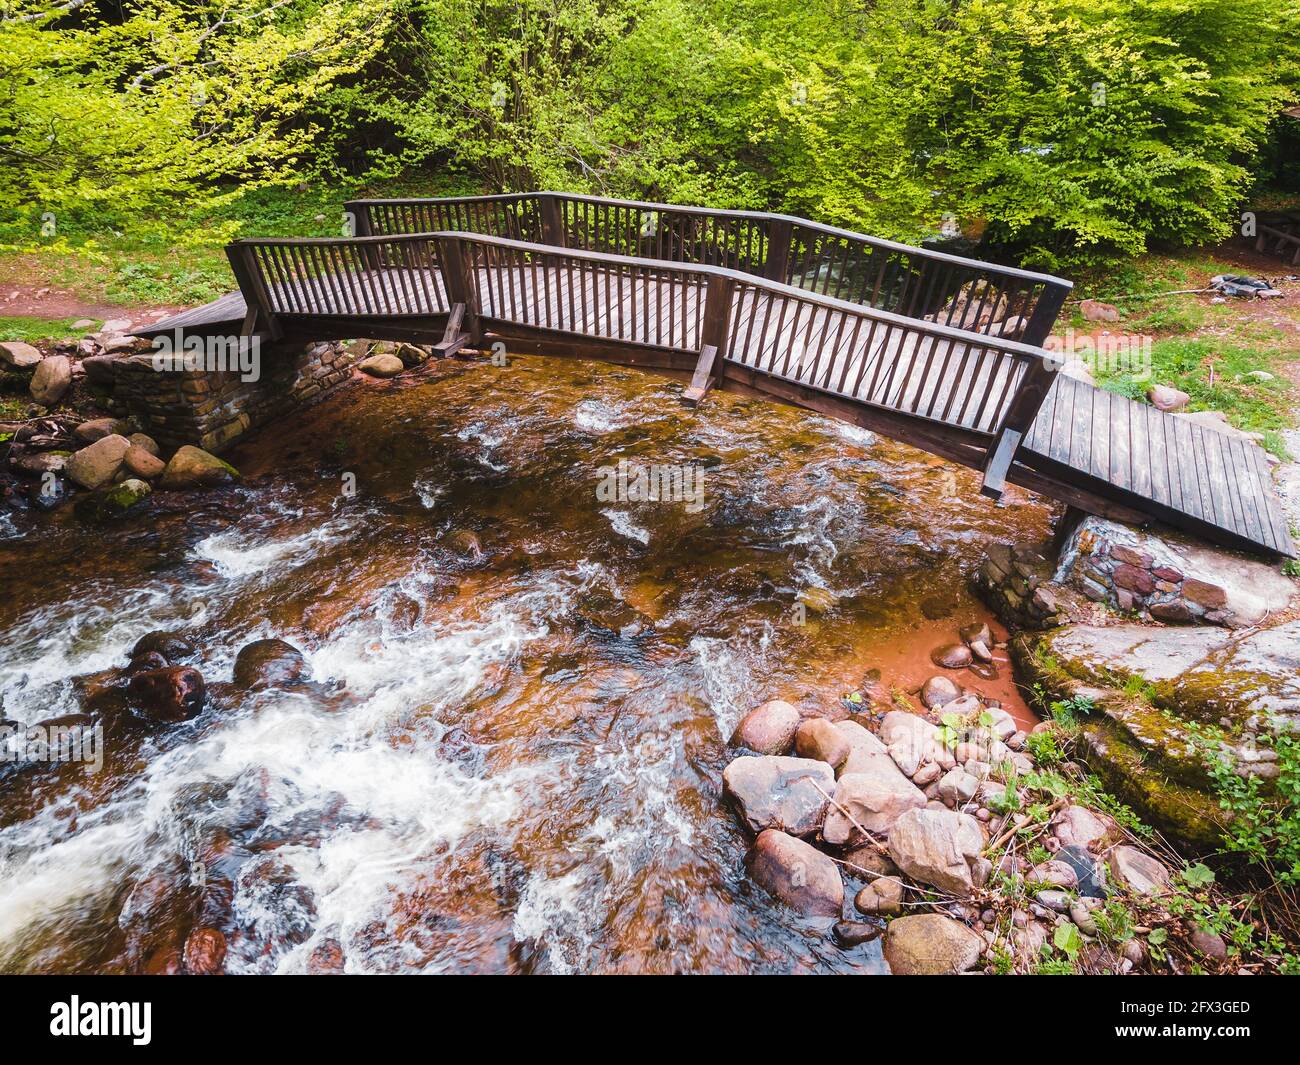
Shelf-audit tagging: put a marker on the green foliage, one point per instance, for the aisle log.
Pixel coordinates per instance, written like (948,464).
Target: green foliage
(1069,131)
(1213,374)
(1044,748)
(125,110)
(33,329)
(1265,824)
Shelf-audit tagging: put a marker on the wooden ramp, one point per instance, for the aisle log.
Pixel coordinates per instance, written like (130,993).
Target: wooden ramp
(937,351)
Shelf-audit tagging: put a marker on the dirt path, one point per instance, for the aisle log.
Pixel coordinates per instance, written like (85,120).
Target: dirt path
(26,301)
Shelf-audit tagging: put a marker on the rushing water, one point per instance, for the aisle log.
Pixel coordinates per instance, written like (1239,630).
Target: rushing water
(510,760)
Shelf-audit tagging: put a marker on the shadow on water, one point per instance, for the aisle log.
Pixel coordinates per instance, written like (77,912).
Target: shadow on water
(510,755)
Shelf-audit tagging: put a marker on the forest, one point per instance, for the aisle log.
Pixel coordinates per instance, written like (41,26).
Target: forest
(1070,132)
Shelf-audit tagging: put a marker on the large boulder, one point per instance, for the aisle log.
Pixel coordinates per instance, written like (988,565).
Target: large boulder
(768,729)
(929,944)
(142,464)
(797,873)
(192,467)
(97,464)
(381,365)
(16,355)
(98,428)
(942,848)
(865,748)
(172,646)
(53,377)
(1079,826)
(789,794)
(1146,751)
(1138,871)
(873,800)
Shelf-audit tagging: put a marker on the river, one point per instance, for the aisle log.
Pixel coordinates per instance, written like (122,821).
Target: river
(510,758)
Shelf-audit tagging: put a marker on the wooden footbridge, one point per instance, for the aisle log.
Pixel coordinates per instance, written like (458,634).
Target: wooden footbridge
(937,351)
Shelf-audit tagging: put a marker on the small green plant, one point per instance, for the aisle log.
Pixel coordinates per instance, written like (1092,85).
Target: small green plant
(1066,712)
(1139,688)
(1044,748)
(1265,823)
(1114,921)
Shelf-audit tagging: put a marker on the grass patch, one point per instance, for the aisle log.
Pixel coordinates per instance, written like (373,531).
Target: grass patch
(1214,374)
(31,330)
(182,261)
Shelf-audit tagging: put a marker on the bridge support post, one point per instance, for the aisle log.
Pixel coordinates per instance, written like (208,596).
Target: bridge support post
(780,233)
(713,336)
(552,224)
(460,285)
(1033,389)
(248,275)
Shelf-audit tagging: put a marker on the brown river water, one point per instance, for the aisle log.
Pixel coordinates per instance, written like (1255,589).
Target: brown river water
(508,762)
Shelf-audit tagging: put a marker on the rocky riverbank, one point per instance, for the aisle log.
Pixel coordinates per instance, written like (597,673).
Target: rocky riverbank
(70,449)
(932,821)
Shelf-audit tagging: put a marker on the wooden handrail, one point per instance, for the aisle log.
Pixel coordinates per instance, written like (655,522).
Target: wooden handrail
(721,212)
(928,328)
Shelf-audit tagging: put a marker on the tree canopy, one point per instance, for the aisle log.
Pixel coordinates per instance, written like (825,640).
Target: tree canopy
(1065,129)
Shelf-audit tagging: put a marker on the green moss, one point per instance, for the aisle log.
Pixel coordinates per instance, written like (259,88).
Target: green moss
(1187,815)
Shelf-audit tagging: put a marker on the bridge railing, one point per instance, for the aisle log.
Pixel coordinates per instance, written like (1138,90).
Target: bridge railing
(809,339)
(914,282)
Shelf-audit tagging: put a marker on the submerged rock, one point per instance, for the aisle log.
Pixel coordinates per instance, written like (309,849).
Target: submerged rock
(170,694)
(172,646)
(929,944)
(268,664)
(109,503)
(797,873)
(951,656)
(789,794)
(205,952)
(381,365)
(849,934)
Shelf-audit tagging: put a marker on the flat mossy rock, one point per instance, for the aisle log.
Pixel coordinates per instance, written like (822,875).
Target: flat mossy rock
(1189,815)
(1139,739)
(1200,673)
